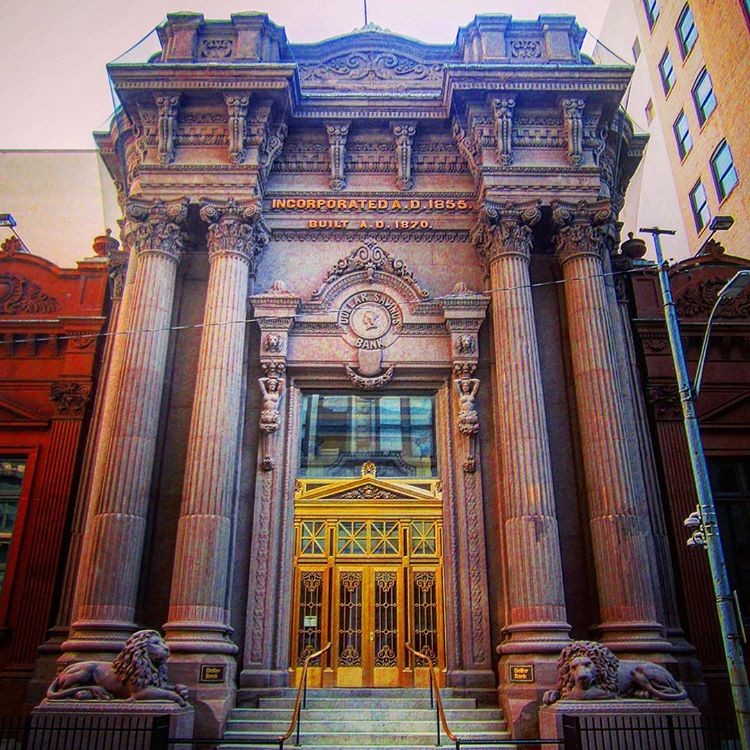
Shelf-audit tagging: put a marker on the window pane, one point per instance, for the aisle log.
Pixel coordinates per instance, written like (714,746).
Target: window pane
(703,95)
(699,204)
(682,135)
(339,432)
(725,174)
(652,11)
(687,34)
(11,478)
(666,70)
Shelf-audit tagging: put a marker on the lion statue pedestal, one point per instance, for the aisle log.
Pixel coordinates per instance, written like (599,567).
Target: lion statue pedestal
(625,704)
(89,701)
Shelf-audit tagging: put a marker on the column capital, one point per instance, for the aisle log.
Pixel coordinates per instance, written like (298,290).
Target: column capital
(153,226)
(505,229)
(235,228)
(581,229)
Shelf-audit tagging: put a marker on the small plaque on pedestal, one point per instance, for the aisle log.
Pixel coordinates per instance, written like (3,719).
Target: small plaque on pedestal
(212,674)
(521,672)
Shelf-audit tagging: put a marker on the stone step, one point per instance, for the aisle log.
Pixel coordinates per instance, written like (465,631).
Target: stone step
(499,745)
(362,725)
(337,704)
(391,713)
(332,739)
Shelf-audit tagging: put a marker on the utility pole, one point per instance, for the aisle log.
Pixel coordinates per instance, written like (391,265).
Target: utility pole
(729,621)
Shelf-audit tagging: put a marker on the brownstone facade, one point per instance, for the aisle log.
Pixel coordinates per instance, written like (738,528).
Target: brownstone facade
(377,385)
(50,319)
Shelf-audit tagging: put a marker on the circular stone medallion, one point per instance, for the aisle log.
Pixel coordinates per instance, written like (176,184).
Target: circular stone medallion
(370,320)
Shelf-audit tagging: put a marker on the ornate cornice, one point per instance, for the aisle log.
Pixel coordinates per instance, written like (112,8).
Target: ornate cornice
(505,229)
(153,226)
(583,229)
(235,228)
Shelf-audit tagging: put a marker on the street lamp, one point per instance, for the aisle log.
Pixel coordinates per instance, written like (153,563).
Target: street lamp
(704,520)
(7,220)
(730,290)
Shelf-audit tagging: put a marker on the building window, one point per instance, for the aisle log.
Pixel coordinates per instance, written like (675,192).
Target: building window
(699,204)
(652,11)
(649,111)
(340,431)
(636,48)
(703,96)
(687,34)
(11,478)
(666,71)
(730,482)
(724,171)
(682,135)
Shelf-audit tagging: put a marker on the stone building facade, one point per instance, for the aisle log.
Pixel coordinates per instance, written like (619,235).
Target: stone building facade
(50,321)
(425,427)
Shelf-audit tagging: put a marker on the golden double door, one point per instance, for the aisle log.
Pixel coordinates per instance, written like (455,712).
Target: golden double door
(368,583)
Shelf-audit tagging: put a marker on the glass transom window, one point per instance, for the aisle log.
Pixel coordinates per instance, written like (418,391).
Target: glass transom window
(339,432)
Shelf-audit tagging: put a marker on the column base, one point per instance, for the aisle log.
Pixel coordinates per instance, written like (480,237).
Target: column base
(634,639)
(95,639)
(211,680)
(199,638)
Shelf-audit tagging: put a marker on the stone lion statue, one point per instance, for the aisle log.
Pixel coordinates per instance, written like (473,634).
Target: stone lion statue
(138,672)
(590,671)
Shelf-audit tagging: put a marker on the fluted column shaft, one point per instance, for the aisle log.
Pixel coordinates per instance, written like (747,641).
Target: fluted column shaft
(110,562)
(198,605)
(536,602)
(626,594)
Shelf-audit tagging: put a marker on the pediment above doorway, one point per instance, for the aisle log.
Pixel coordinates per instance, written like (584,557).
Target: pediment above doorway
(368,487)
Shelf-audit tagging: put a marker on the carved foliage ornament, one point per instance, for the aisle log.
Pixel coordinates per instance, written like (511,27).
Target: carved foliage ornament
(505,229)
(360,66)
(154,226)
(19,295)
(234,228)
(371,258)
(698,301)
(584,229)
(70,399)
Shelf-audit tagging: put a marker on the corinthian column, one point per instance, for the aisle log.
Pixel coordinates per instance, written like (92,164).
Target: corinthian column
(626,591)
(536,618)
(198,614)
(107,583)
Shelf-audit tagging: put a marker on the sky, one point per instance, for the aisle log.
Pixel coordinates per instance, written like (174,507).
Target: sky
(53,53)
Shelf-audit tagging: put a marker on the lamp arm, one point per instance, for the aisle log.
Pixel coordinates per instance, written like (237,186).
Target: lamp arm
(704,349)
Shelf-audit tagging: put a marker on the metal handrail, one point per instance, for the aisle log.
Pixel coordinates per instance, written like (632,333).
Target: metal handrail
(434,687)
(298,703)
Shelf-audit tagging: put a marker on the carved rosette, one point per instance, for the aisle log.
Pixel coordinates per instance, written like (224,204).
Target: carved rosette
(235,228)
(337,134)
(502,109)
(583,229)
(153,226)
(70,399)
(167,128)
(505,230)
(572,111)
(404,132)
(237,111)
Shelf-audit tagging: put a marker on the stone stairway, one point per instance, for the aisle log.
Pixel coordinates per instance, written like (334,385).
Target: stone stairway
(357,719)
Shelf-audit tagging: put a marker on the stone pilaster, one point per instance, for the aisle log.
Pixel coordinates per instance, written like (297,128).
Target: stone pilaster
(270,578)
(619,540)
(107,581)
(536,627)
(468,617)
(198,611)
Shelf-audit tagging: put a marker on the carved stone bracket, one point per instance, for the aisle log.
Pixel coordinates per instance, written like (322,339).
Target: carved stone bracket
(337,134)
(271,148)
(572,112)
(582,229)
(502,108)
(504,229)
(167,129)
(153,226)
(404,132)
(237,111)
(369,383)
(70,399)
(467,147)
(235,228)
